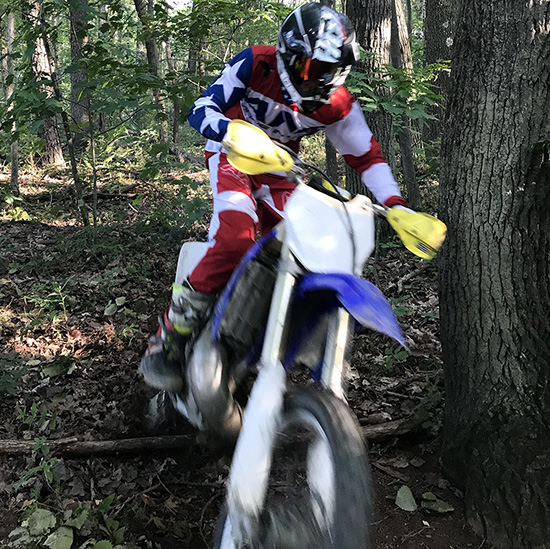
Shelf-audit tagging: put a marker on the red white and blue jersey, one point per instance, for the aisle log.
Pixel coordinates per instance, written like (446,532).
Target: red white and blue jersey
(249,88)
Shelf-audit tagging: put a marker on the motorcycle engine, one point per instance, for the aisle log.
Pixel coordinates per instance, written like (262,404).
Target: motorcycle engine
(248,308)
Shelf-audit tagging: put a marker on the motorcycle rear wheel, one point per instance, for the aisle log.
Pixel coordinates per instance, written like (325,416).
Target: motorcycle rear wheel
(332,509)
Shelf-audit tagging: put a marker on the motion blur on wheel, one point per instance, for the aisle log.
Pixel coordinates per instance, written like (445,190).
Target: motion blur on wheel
(319,481)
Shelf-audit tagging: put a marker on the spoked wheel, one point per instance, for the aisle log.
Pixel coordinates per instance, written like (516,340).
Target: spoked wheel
(319,491)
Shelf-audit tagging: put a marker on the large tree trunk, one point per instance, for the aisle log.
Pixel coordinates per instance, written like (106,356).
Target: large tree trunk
(495,271)
(79,102)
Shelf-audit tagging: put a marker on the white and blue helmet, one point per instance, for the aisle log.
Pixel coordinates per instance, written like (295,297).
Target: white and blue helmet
(316,49)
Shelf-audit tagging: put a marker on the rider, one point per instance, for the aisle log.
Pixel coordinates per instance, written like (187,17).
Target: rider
(289,91)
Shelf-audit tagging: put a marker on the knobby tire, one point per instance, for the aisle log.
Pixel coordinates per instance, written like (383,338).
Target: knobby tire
(290,526)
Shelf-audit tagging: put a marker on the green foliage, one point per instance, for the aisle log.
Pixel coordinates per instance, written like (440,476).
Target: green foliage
(191,203)
(43,419)
(406,92)
(50,299)
(43,528)
(45,467)
(399,310)
(429,403)
(12,210)
(393,356)
(11,370)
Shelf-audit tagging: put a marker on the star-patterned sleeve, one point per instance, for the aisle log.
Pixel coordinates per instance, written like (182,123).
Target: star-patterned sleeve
(207,114)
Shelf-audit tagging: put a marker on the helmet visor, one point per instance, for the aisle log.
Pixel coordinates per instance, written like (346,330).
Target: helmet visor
(313,74)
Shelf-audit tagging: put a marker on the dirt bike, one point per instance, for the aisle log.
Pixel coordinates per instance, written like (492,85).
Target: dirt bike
(299,475)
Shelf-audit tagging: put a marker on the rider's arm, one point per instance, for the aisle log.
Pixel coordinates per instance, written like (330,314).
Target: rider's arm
(207,114)
(353,139)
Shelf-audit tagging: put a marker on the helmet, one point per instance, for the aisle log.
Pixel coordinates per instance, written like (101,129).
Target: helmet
(316,49)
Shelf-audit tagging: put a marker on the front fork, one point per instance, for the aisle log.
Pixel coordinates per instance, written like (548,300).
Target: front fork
(251,463)
(335,360)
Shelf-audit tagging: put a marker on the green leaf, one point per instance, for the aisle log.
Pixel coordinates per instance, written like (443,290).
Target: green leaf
(78,518)
(111,309)
(103,544)
(57,368)
(105,504)
(62,538)
(431,502)
(120,301)
(405,499)
(40,522)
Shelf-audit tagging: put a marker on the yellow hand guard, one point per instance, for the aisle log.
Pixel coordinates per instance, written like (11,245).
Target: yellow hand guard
(251,151)
(421,233)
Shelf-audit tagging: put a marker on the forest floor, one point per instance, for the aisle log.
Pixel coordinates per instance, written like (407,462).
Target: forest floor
(76,308)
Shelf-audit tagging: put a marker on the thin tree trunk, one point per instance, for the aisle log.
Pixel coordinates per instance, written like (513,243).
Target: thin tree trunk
(42,69)
(78,39)
(402,59)
(331,161)
(68,134)
(14,147)
(145,10)
(176,121)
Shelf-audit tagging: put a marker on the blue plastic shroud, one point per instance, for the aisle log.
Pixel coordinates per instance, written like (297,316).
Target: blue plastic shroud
(362,299)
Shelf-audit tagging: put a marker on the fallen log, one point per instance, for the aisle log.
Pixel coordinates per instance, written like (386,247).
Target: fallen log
(73,447)
(388,429)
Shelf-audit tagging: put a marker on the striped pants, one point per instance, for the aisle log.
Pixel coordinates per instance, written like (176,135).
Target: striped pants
(244,205)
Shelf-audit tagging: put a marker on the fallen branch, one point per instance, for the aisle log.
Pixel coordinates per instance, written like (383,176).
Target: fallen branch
(390,428)
(74,447)
(123,193)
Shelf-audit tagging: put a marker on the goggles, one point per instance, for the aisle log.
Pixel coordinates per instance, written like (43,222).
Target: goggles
(312,71)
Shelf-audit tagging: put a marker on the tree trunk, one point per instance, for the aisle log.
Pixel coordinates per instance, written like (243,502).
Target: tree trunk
(145,11)
(331,159)
(53,153)
(402,59)
(176,121)
(14,147)
(79,101)
(439,31)
(372,22)
(77,184)
(495,271)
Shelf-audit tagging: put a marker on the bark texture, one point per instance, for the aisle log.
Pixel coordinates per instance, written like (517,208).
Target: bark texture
(43,69)
(14,147)
(145,10)
(439,32)
(79,76)
(401,55)
(495,271)
(372,22)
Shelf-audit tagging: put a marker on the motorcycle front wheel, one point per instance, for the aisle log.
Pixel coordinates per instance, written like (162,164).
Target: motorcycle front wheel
(319,491)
